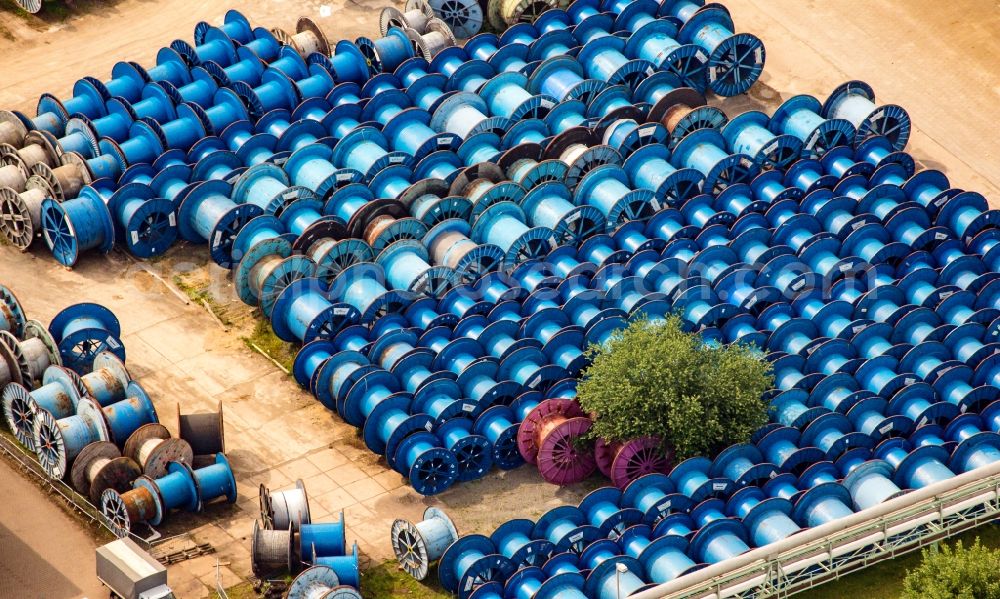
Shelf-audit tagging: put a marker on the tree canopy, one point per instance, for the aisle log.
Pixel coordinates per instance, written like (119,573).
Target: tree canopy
(655,379)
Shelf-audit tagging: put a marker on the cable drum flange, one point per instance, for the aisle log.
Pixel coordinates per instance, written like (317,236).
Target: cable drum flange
(12,317)
(146,225)
(463,17)
(13,173)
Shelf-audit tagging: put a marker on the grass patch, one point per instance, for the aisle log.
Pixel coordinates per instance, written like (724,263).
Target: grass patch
(263,339)
(200,295)
(885,579)
(240,591)
(387,580)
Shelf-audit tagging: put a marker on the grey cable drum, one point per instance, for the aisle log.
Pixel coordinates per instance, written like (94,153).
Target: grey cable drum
(287,509)
(272,552)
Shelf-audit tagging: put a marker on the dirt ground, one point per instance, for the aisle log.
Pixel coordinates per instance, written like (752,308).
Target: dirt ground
(936,59)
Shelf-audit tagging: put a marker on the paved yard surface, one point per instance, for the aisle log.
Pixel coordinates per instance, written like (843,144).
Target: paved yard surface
(936,59)
(43,551)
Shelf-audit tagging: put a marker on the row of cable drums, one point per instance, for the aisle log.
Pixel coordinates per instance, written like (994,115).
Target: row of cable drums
(158,118)
(372,298)
(267,180)
(68,397)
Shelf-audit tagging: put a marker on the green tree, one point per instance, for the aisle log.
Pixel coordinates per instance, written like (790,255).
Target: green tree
(958,573)
(655,379)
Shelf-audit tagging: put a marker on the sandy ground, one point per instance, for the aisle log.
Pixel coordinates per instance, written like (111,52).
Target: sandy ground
(937,60)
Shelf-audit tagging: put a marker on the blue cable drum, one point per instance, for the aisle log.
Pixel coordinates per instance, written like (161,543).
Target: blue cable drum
(915,467)
(276,90)
(366,151)
(870,484)
(146,224)
(878,152)
(208,214)
(606,188)
(248,69)
(507,96)
(966,215)
(266,186)
(854,101)
(735,61)
(58,442)
(502,224)
(703,151)
(655,40)
(82,331)
(565,526)
(303,312)
(550,205)
(560,42)
(472,561)
(408,132)
(215,45)
(88,99)
(311,167)
(748,134)
(144,144)
(610,572)
(473,452)
(499,425)
(663,558)
(604,59)
(430,468)
(566,115)
(767,519)
(562,77)
(649,168)
(77,225)
(126,416)
(628,135)
(361,286)
(407,269)
(800,116)
(822,503)
(465,114)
